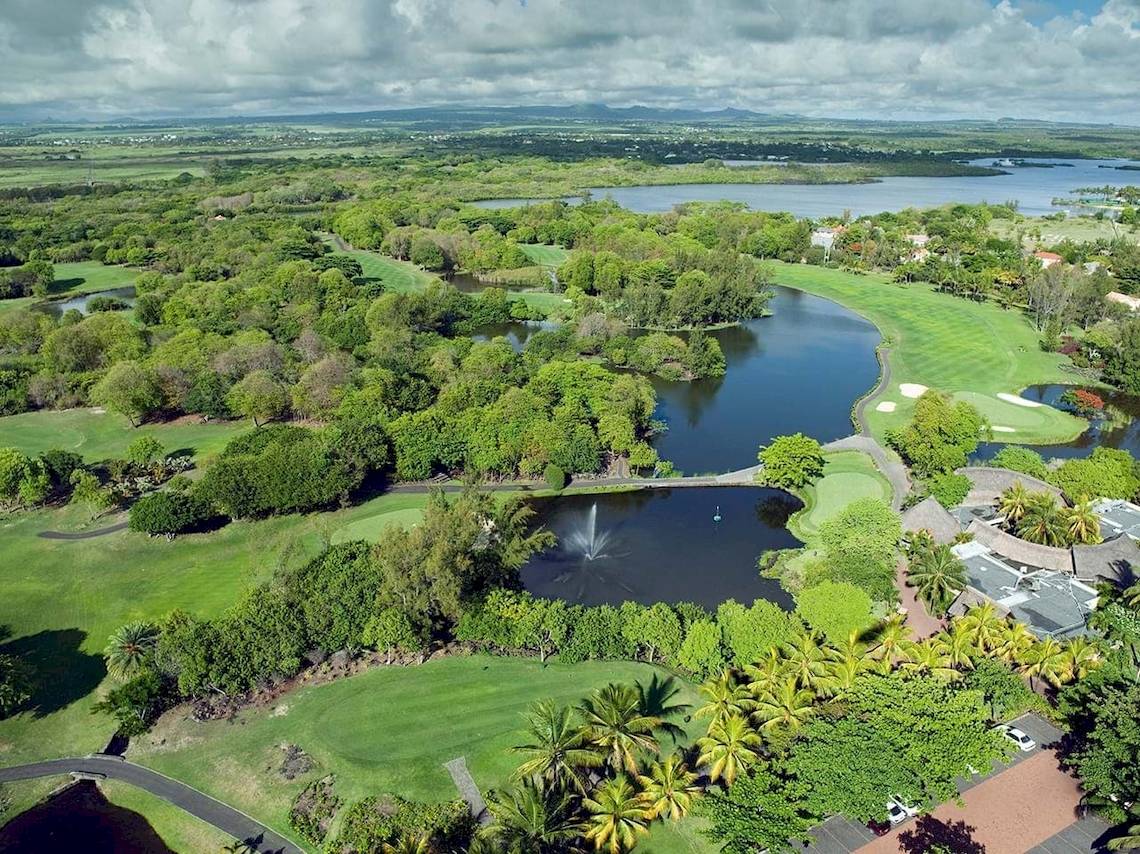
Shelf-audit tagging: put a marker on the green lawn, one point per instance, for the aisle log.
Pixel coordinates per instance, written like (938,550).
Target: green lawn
(63,598)
(99,435)
(847,476)
(947,343)
(386,730)
(1079,229)
(180,831)
(371,527)
(545,255)
(82,277)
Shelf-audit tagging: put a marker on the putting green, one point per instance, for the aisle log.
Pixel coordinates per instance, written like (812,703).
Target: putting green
(847,476)
(371,528)
(1026,423)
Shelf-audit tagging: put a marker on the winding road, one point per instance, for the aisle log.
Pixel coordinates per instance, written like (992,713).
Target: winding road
(105,766)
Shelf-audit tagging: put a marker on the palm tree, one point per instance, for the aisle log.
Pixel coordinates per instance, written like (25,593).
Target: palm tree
(240,846)
(1081,522)
(918,543)
(767,672)
(557,750)
(408,843)
(724,697)
(806,659)
(1081,656)
(614,724)
(784,710)
(1016,641)
(927,657)
(957,645)
(1045,660)
(131,649)
(657,700)
(618,816)
(1042,523)
(1131,596)
(890,641)
(985,625)
(1130,841)
(730,746)
(531,817)
(937,577)
(669,788)
(1013,503)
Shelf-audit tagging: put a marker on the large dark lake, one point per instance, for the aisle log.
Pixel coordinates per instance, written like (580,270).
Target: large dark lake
(662,545)
(1033,187)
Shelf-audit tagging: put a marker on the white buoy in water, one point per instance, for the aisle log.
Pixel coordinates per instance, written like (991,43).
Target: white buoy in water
(716,518)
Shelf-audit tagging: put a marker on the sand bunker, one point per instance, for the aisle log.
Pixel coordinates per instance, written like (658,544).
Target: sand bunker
(912,390)
(1017,401)
(886,406)
(997,428)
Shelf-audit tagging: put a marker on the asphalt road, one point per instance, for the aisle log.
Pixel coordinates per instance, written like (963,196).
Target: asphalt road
(225,818)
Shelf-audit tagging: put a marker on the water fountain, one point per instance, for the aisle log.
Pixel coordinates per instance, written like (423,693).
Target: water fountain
(586,539)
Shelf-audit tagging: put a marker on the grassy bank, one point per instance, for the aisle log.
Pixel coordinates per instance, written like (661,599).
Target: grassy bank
(970,349)
(63,598)
(847,476)
(82,277)
(386,730)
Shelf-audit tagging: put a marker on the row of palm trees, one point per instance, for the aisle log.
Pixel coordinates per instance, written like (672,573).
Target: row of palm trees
(594,776)
(1036,517)
(771,701)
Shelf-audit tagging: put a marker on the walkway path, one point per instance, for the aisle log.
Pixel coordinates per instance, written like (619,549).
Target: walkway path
(99,766)
(740,477)
(463,780)
(82,535)
(883,355)
(921,623)
(893,470)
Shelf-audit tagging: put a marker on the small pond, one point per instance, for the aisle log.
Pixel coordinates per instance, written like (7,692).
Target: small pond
(58,308)
(1034,187)
(662,545)
(1102,432)
(517,332)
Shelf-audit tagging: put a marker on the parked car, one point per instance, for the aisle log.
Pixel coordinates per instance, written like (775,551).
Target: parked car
(1024,743)
(898,810)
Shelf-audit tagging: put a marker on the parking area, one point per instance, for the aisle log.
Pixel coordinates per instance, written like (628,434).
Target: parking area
(1025,804)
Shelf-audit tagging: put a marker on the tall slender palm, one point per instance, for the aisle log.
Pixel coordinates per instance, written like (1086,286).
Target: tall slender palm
(669,788)
(723,697)
(985,626)
(890,641)
(1042,523)
(1130,841)
(614,724)
(131,649)
(1080,657)
(618,815)
(927,658)
(730,746)
(1013,503)
(1045,660)
(531,817)
(1016,641)
(785,710)
(657,699)
(1131,596)
(408,843)
(557,750)
(1082,525)
(937,577)
(806,659)
(957,645)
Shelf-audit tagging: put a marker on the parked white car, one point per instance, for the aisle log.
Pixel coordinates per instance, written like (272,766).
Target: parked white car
(1024,743)
(898,810)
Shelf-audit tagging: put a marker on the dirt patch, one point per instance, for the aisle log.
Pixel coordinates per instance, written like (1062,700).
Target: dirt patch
(312,812)
(295,763)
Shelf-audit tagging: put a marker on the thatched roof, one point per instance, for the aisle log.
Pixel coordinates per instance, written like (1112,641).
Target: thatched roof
(971,598)
(929,515)
(1115,560)
(987,483)
(1019,551)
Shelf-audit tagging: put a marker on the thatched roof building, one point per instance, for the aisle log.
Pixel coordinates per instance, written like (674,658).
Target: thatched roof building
(1116,560)
(1019,551)
(987,483)
(929,515)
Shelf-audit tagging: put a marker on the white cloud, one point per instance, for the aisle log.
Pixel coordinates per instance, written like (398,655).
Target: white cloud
(827,57)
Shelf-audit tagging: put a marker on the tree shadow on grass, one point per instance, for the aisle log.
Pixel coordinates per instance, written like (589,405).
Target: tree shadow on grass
(80,818)
(62,286)
(932,834)
(62,672)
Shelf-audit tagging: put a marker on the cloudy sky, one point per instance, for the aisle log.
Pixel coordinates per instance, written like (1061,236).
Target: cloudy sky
(1060,59)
